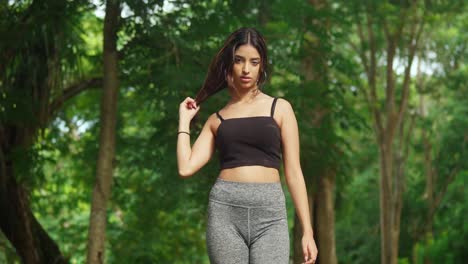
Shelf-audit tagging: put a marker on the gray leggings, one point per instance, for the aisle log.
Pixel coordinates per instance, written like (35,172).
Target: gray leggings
(247,223)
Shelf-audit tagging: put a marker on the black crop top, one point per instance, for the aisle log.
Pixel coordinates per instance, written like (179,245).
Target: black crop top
(247,141)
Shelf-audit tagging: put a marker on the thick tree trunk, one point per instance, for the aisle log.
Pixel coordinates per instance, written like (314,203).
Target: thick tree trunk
(321,206)
(321,196)
(17,221)
(298,257)
(101,192)
(325,219)
(18,224)
(32,243)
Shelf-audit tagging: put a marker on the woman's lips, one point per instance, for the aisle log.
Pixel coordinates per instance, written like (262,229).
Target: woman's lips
(245,79)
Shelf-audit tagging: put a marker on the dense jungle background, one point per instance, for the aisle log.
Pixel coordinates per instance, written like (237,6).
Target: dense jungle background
(89,98)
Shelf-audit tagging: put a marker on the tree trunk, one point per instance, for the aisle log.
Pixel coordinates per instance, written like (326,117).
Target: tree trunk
(321,198)
(321,206)
(42,85)
(389,116)
(385,202)
(325,219)
(324,202)
(298,257)
(18,224)
(101,192)
(17,221)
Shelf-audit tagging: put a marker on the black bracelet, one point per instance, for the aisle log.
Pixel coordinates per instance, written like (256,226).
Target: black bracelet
(183,132)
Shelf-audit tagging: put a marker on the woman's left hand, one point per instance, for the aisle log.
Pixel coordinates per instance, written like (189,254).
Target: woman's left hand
(309,249)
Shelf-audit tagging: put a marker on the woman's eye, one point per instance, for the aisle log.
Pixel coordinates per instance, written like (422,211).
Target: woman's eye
(255,63)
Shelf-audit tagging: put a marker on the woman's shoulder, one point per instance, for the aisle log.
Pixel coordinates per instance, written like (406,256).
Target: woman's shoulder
(266,98)
(279,99)
(283,102)
(284,109)
(212,118)
(212,122)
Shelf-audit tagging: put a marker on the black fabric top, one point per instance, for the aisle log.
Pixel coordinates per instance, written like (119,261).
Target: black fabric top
(247,141)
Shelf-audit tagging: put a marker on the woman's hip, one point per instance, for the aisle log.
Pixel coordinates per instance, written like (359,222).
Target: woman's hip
(247,194)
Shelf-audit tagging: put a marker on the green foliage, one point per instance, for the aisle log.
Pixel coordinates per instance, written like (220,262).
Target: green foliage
(447,245)
(357,227)
(156,217)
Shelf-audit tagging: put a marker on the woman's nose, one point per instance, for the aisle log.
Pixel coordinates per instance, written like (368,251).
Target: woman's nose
(245,68)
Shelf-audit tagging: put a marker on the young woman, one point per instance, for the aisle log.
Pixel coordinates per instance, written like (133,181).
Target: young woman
(247,221)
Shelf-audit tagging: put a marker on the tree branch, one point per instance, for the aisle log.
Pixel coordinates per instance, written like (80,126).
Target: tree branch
(361,52)
(362,55)
(72,91)
(414,40)
(372,78)
(441,193)
(392,43)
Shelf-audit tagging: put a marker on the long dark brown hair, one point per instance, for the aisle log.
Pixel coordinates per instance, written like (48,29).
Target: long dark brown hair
(222,63)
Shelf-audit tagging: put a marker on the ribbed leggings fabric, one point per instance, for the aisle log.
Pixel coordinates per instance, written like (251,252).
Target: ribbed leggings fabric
(247,223)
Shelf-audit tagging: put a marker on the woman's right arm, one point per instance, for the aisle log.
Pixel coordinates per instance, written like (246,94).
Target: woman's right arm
(190,160)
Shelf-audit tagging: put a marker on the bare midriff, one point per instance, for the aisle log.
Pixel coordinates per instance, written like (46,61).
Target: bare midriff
(250,174)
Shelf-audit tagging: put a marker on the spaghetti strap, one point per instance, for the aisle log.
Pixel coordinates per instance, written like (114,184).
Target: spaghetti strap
(219,116)
(273,106)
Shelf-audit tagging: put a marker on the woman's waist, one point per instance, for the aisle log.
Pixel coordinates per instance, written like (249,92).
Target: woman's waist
(252,174)
(248,194)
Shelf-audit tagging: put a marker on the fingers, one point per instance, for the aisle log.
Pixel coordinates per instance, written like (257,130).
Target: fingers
(309,257)
(309,261)
(305,251)
(190,103)
(312,256)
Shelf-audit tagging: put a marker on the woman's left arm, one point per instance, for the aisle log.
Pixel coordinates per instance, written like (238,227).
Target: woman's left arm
(294,176)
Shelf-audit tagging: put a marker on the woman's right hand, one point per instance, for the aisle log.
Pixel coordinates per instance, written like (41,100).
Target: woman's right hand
(188,109)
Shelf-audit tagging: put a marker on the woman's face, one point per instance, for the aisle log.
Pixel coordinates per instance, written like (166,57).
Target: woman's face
(246,67)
